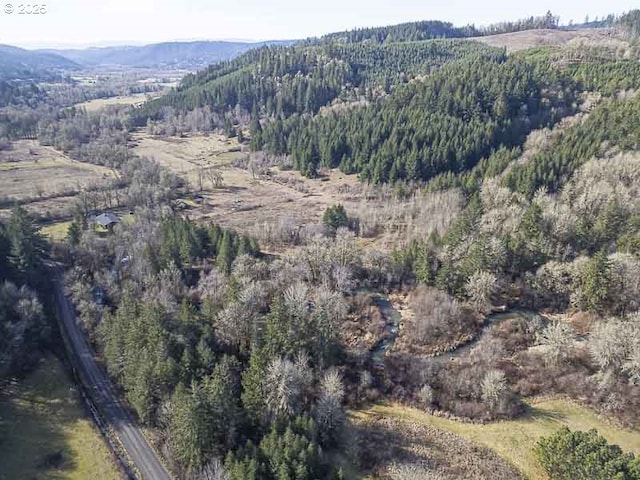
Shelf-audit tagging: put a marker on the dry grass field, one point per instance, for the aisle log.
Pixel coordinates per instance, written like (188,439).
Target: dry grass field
(393,447)
(50,434)
(46,179)
(513,440)
(184,155)
(546,37)
(30,170)
(243,201)
(99,103)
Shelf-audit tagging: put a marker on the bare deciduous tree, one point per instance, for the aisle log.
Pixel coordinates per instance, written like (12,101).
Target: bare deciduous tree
(286,384)
(330,303)
(212,286)
(214,176)
(632,366)
(235,325)
(213,470)
(614,346)
(295,299)
(494,388)
(436,313)
(329,413)
(558,338)
(608,345)
(425,395)
(480,286)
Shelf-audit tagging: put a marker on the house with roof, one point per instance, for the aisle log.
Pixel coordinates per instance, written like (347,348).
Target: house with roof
(106,220)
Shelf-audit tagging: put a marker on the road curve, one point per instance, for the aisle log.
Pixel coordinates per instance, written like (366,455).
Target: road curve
(99,386)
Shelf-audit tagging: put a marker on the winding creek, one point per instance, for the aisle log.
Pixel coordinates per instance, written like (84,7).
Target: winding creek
(392,319)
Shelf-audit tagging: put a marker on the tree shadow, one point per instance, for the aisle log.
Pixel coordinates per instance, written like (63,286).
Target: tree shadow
(532,413)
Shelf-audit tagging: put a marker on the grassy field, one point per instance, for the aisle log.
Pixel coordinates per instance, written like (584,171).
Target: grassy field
(513,440)
(183,155)
(29,170)
(56,231)
(243,201)
(99,103)
(44,178)
(45,432)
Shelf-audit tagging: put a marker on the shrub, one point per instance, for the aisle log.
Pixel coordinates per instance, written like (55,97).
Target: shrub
(437,314)
(335,217)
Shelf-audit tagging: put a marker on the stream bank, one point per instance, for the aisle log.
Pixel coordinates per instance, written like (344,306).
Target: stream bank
(392,318)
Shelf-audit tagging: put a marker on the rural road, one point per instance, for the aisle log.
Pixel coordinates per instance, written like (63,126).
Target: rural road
(98,384)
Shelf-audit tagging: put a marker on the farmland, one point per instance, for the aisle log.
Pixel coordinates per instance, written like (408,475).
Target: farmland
(30,170)
(44,178)
(99,103)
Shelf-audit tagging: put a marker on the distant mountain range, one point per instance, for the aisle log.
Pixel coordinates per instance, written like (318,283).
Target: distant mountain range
(173,55)
(20,63)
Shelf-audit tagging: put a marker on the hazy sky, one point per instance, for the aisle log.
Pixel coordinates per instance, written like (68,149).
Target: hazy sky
(104,22)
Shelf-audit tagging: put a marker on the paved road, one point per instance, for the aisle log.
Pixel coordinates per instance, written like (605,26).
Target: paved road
(107,403)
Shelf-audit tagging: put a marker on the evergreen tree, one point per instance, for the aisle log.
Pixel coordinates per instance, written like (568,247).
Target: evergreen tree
(596,282)
(335,217)
(225,252)
(568,455)
(253,395)
(28,247)
(73,234)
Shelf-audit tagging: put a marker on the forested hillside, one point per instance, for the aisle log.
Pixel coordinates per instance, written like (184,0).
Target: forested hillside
(404,107)
(281,81)
(426,30)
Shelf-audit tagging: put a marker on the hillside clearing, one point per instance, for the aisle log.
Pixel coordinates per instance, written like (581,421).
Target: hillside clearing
(514,439)
(516,41)
(185,154)
(51,435)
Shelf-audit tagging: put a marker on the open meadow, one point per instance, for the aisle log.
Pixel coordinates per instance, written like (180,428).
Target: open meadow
(245,200)
(121,100)
(50,433)
(46,182)
(30,170)
(513,440)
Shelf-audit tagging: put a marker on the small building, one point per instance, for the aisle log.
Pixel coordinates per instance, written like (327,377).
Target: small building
(107,220)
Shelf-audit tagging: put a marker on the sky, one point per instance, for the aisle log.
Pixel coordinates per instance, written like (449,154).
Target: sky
(82,23)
